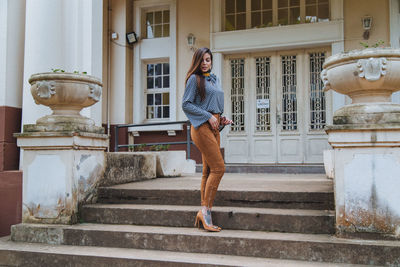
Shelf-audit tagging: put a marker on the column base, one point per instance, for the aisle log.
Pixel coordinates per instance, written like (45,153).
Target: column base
(61,171)
(366,171)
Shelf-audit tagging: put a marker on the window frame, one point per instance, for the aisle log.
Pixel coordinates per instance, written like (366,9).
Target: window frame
(274,15)
(145,90)
(146,52)
(161,8)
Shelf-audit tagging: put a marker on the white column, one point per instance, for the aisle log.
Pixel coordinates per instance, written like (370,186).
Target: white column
(12,26)
(120,59)
(61,34)
(339,100)
(394,7)
(337,13)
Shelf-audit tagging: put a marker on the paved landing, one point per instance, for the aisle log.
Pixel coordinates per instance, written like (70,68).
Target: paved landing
(242,182)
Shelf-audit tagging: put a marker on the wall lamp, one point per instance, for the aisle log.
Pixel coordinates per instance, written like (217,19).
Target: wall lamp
(131,38)
(191,40)
(366,24)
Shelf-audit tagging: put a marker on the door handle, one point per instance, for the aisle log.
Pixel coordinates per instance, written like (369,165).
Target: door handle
(278,118)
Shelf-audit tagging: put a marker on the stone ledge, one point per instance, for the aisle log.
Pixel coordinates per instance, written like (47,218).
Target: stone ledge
(125,167)
(363,127)
(62,141)
(61,134)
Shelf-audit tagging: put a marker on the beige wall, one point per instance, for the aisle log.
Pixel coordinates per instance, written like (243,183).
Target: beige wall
(354,10)
(193,16)
(119,82)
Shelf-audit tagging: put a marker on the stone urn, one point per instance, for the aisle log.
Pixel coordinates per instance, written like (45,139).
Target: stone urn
(368,77)
(66,94)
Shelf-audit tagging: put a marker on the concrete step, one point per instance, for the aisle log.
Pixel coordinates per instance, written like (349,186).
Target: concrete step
(240,190)
(239,218)
(288,246)
(32,255)
(270,168)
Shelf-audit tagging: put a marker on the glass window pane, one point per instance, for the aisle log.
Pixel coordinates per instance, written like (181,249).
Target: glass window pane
(295,15)
(311,14)
(158,69)
(166,16)
(267,4)
(150,82)
(150,69)
(165,99)
(282,3)
(255,5)
(165,112)
(158,99)
(149,32)
(158,82)
(283,16)
(323,12)
(149,18)
(166,68)
(240,6)
(294,3)
(157,17)
(255,19)
(165,30)
(150,101)
(267,19)
(230,6)
(166,81)
(230,23)
(157,31)
(150,112)
(241,22)
(158,112)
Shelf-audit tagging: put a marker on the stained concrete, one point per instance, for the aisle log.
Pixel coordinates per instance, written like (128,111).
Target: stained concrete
(125,167)
(22,254)
(293,191)
(240,218)
(288,246)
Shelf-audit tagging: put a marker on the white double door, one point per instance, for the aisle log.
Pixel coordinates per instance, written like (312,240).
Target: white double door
(278,107)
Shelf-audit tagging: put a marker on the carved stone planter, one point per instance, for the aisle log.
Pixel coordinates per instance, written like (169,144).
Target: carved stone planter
(66,94)
(365,136)
(63,153)
(368,77)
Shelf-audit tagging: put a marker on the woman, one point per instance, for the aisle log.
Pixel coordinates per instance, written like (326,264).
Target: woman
(203,104)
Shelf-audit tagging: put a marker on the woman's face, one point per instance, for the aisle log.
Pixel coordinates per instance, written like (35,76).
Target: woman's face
(206,63)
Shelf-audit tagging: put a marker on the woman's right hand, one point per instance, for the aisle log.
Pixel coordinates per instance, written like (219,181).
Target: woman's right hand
(213,122)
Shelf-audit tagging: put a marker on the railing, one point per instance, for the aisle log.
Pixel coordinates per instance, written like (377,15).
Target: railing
(188,141)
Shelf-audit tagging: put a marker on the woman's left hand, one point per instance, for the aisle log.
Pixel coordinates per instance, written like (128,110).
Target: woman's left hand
(225,121)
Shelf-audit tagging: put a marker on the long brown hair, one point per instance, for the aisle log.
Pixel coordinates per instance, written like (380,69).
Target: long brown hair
(195,69)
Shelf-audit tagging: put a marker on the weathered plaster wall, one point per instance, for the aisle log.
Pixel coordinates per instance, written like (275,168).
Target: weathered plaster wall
(354,10)
(366,182)
(121,63)
(192,17)
(70,177)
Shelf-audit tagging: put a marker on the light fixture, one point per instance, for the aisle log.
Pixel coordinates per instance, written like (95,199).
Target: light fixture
(131,37)
(191,40)
(366,24)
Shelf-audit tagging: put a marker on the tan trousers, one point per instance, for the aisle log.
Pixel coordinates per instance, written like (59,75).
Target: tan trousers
(207,141)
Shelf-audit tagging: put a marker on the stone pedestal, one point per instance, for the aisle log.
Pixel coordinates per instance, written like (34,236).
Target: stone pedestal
(365,137)
(366,162)
(61,171)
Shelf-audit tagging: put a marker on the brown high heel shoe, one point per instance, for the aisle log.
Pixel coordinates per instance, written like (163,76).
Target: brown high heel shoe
(203,219)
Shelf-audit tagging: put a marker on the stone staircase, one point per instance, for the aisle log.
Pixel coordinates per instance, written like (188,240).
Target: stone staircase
(267,220)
